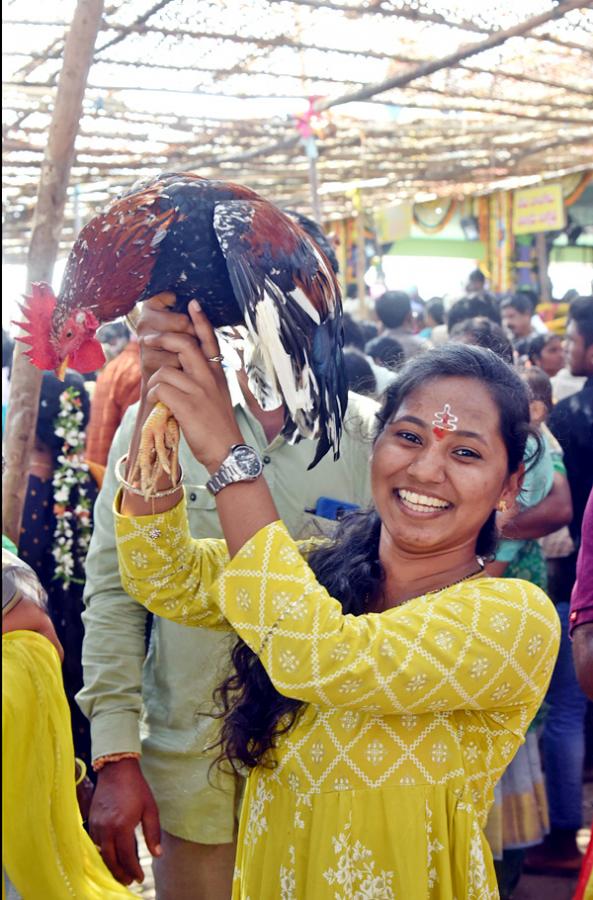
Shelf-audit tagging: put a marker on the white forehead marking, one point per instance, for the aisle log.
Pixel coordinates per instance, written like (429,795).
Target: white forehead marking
(445,419)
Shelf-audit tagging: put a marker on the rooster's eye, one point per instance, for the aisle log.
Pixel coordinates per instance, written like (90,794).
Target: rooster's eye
(68,334)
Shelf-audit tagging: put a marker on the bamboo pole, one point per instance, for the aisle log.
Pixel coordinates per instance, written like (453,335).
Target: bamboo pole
(314,188)
(541,252)
(51,198)
(360,253)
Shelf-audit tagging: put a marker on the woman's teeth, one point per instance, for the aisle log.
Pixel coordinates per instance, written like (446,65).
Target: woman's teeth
(420,502)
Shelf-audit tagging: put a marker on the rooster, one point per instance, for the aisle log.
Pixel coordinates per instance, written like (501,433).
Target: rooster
(177,237)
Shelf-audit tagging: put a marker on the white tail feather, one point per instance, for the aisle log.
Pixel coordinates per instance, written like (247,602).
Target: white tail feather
(297,396)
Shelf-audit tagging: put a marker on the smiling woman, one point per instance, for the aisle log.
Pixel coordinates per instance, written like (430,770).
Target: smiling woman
(435,490)
(381,682)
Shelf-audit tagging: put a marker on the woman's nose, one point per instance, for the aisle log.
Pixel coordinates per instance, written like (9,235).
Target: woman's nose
(429,465)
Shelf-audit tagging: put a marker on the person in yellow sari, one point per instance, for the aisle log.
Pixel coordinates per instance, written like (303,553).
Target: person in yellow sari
(382,682)
(46,853)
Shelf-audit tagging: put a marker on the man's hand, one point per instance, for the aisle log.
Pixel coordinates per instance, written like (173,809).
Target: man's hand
(154,321)
(196,390)
(84,795)
(121,801)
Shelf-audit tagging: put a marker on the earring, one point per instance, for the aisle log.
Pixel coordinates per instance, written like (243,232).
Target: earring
(502,506)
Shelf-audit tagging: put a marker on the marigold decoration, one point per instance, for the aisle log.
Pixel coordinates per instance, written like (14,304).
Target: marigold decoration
(72,505)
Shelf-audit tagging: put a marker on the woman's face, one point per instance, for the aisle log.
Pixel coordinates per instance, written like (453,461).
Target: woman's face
(551,358)
(434,488)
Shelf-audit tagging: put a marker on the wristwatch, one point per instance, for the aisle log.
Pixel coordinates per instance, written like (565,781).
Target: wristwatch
(242,464)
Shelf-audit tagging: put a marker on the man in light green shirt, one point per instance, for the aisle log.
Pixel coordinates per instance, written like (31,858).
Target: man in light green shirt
(158,703)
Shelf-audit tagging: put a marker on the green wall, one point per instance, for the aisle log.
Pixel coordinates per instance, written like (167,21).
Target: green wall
(475,250)
(435,247)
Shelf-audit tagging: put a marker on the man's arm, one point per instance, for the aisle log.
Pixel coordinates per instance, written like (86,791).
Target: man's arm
(113,656)
(581,606)
(550,514)
(114,643)
(582,652)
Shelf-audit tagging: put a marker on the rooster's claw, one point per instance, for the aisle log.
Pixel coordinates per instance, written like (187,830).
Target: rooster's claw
(158,451)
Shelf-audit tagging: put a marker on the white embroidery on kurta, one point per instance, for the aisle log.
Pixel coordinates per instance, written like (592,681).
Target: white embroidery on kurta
(478,668)
(409,721)
(288,660)
(444,639)
(433,846)
(340,651)
(257,824)
(349,720)
(439,752)
(355,874)
(472,752)
(416,682)
(499,622)
(243,599)
(317,752)
(501,691)
(139,559)
(288,879)
(375,752)
(477,878)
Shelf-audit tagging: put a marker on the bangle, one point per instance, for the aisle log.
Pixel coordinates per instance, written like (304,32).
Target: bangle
(111,758)
(81,769)
(138,491)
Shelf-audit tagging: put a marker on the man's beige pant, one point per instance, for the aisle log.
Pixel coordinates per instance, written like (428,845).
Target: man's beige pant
(190,871)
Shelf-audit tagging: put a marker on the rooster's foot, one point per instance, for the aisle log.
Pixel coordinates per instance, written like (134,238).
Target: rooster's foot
(159,450)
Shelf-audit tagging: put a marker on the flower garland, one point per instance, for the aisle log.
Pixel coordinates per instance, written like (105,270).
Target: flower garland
(72,505)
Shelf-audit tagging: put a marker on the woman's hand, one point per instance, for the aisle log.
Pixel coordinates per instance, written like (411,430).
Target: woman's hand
(195,389)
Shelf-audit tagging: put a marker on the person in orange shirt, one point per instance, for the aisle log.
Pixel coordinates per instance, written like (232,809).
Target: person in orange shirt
(117,387)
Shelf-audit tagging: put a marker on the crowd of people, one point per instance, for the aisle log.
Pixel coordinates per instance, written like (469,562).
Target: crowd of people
(359,680)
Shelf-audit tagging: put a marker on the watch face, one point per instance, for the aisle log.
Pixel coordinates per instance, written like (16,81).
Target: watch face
(247,460)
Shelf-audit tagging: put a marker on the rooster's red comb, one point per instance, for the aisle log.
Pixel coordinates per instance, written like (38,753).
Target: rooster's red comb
(38,310)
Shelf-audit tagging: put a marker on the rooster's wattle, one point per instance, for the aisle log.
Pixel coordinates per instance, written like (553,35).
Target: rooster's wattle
(246,262)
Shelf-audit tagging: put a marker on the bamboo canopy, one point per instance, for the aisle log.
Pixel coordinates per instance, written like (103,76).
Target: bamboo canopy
(414,98)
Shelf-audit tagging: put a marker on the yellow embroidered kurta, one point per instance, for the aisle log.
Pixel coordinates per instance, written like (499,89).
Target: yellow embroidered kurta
(46,853)
(382,786)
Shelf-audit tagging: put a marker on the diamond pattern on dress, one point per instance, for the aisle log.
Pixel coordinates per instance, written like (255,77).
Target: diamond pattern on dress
(434,696)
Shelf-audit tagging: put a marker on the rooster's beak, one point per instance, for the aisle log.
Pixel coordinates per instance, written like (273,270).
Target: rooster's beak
(61,370)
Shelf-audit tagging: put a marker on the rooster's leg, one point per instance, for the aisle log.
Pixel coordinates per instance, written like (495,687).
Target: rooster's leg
(159,441)
(158,451)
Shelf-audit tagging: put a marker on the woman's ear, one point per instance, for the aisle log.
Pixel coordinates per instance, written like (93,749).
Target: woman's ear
(512,486)
(537,411)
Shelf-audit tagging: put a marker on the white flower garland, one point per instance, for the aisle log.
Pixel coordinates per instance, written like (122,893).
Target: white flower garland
(71,507)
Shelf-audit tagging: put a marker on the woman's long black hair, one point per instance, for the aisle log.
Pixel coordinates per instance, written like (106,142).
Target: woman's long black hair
(255,714)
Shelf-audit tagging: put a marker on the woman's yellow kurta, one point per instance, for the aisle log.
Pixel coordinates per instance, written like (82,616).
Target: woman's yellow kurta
(46,852)
(382,786)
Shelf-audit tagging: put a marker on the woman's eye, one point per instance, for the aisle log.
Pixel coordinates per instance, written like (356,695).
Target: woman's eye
(408,436)
(466,453)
